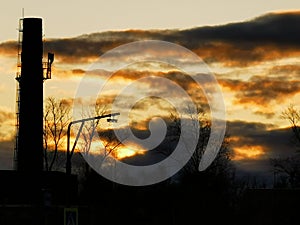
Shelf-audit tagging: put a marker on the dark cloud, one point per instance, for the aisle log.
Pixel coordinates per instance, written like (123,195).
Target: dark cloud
(275,142)
(262,90)
(183,80)
(6,155)
(89,47)
(268,37)
(275,28)
(153,82)
(79,50)
(271,36)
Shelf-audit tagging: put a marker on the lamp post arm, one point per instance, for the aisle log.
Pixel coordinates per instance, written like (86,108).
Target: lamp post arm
(94,118)
(82,121)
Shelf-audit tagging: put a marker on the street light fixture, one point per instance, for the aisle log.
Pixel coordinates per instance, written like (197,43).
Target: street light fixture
(82,121)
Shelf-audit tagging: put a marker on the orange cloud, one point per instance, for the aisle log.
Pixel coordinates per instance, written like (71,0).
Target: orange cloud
(125,77)
(268,114)
(288,71)
(6,115)
(182,79)
(260,90)
(7,125)
(248,152)
(66,74)
(9,48)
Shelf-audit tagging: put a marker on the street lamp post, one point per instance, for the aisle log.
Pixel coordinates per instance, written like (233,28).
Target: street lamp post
(82,121)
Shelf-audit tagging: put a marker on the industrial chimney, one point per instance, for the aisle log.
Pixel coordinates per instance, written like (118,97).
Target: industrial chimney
(29,141)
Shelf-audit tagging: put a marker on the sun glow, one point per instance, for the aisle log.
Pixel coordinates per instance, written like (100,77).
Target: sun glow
(248,152)
(113,150)
(125,152)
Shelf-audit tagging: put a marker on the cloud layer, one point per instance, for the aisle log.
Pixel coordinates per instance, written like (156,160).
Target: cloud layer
(269,40)
(268,37)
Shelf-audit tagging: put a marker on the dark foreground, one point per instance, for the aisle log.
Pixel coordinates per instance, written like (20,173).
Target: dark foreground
(25,200)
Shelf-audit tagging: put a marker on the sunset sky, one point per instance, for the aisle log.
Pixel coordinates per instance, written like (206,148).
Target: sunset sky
(252,47)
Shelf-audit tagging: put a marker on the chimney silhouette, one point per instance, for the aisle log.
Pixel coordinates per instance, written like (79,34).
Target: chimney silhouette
(30,134)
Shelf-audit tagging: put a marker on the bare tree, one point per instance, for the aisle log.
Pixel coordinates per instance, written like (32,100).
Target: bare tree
(288,169)
(56,119)
(91,130)
(221,166)
(292,114)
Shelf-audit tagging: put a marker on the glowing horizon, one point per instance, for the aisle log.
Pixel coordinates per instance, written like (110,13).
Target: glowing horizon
(259,80)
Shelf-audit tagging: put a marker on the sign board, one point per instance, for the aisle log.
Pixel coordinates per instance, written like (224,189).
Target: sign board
(71,216)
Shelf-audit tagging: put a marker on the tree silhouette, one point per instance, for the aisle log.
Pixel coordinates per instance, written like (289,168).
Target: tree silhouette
(222,164)
(292,114)
(56,119)
(90,128)
(288,169)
